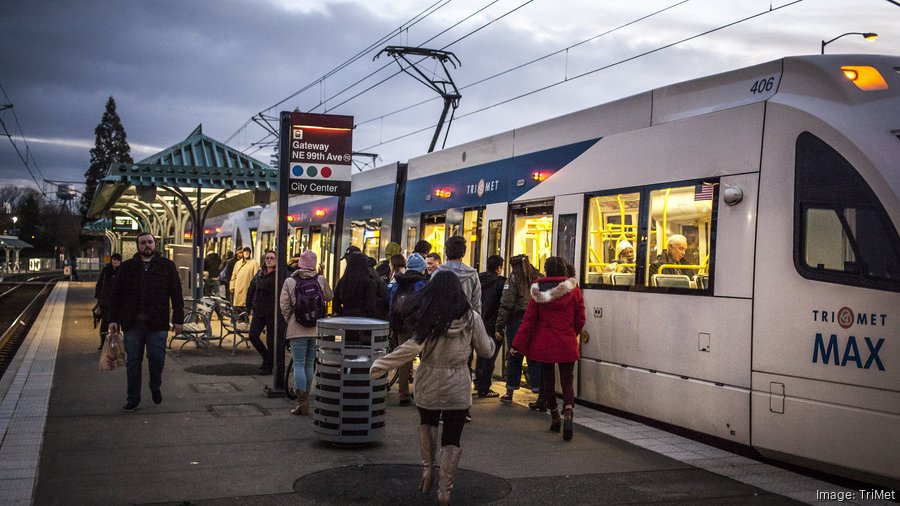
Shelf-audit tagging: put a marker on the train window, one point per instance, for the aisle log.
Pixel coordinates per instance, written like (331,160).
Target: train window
(366,235)
(434,231)
(678,237)
(842,232)
(495,233)
(412,237)
(472,232)
(611,236)
(532,228)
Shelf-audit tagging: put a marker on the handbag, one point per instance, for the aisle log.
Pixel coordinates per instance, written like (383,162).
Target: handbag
(113,353)
(97,313)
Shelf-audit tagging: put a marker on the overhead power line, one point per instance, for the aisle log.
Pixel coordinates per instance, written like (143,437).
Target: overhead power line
(593,71)
(27,155)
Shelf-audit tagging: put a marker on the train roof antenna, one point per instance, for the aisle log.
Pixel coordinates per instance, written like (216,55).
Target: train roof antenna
(446,88)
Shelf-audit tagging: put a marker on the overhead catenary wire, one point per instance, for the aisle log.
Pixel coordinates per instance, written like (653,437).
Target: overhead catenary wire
(592,71)
(531,62)
(431,9)
(28,155)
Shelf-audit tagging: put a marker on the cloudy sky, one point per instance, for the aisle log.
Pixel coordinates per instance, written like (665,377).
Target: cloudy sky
(171,65)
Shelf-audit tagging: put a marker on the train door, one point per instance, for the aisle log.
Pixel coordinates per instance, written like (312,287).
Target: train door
(468,224)
(531,231)
(319,240)
(434,231)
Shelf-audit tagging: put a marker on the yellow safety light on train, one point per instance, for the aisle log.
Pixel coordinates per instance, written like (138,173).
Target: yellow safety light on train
(187,235)
(218,229)
(864,77)
(539,176)
(319,213)
(291,218)
(442,193)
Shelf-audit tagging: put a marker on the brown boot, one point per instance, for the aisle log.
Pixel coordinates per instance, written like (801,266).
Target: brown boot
(554,420)
(302,406)
(428,446)
(450,456)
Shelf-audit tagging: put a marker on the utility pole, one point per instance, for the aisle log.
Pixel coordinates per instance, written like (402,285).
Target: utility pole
(445,87)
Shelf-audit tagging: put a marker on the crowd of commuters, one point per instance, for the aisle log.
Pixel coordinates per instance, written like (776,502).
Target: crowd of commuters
(444,313)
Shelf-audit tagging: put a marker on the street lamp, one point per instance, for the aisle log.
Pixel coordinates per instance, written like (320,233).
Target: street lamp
(866,35)
(15,219)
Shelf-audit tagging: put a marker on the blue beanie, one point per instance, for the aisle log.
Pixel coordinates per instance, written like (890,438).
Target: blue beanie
(415,262)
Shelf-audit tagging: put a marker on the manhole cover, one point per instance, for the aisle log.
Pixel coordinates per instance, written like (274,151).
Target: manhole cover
(237,410)
(227,369)
(214,388)
(392,484)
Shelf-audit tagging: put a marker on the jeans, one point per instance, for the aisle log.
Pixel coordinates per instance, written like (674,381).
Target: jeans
(136,339)
(304,352)
(484,369)
(566,381)
(514,364)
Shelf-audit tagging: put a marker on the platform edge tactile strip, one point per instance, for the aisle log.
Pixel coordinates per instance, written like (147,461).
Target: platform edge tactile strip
(24,406)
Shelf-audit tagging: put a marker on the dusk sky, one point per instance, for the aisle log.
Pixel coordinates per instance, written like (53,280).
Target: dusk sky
(171,65)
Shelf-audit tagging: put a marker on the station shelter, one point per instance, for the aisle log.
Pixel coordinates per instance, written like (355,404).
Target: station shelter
(172,193)
(11,245)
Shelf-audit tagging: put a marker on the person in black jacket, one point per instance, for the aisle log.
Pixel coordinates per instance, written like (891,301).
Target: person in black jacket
(103,292)
(491,290)
(356,293)
(262,303)
(145,287)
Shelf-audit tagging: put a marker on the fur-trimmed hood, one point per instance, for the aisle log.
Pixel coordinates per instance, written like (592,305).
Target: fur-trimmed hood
(546,290)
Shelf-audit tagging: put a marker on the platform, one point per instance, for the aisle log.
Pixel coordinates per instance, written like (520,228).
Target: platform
(219,440)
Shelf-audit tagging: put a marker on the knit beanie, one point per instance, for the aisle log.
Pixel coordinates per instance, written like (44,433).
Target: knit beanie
(623,244)
(392,248)
(308,261)
(415,262)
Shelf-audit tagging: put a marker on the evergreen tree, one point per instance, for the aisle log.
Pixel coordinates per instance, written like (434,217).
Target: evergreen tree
(110,146)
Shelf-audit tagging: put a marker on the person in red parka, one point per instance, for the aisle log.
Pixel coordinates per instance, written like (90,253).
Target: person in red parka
(549,334)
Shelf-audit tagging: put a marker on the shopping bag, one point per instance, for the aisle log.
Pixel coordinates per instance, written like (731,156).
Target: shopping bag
(113,353)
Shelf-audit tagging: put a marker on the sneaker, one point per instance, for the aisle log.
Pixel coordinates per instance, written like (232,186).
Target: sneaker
(506,398)
(490,394)
(157,396)
(129,407)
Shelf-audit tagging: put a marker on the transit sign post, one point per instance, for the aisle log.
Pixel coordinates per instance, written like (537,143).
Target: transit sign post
(320,154)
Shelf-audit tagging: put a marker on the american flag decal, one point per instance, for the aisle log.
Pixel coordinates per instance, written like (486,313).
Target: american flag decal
(704,191)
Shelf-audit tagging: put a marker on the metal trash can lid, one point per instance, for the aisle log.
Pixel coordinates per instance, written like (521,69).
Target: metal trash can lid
(351,323)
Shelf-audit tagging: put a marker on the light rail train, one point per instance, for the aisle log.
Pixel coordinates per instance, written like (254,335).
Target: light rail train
(782,331)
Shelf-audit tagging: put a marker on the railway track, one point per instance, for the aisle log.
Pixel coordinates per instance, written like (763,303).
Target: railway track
(20,303)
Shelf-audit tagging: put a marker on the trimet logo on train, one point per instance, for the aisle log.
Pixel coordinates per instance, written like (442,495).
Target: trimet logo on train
(482,187)
(839,350)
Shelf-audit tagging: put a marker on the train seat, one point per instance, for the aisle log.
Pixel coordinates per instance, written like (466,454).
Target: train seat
(622,278)
(671,280)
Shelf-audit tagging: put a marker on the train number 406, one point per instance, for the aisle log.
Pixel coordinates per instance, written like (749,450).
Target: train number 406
(763,85)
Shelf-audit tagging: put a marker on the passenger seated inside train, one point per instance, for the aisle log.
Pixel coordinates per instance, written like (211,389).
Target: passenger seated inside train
(673,254)
(624,261)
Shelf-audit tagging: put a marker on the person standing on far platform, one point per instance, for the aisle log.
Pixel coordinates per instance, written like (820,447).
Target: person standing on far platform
(549,334)
(145,287)
(445,330)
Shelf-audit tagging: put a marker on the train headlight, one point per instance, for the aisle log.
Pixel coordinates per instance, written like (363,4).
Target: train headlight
(864,77)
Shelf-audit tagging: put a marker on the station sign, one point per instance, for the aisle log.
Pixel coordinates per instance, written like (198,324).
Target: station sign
(320,156)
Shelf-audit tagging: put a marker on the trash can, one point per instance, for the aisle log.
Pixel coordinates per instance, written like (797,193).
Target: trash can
(348,405)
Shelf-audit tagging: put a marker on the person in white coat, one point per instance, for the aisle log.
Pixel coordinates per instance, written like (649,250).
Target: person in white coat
(444,330)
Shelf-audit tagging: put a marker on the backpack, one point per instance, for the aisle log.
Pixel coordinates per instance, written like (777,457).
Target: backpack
(309,301)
